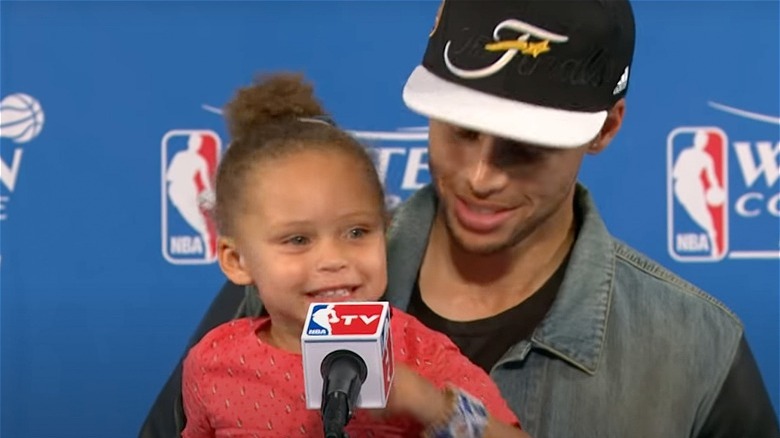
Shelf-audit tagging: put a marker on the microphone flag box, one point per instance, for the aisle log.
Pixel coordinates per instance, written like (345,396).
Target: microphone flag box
(360,327)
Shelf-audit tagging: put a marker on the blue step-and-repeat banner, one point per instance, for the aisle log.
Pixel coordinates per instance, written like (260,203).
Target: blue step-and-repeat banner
(106,264)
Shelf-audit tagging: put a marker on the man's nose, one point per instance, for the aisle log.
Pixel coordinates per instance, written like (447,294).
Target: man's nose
(486,175)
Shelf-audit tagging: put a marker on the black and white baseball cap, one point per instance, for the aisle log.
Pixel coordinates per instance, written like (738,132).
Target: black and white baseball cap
(543,72)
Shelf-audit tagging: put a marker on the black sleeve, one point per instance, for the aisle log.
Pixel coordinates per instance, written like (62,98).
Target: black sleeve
(166,417)
(742,408)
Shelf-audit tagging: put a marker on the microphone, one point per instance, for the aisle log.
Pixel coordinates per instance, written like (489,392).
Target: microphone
(344,372)
(347,360)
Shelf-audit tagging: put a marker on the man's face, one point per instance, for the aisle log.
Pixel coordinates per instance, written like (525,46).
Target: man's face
(495,192)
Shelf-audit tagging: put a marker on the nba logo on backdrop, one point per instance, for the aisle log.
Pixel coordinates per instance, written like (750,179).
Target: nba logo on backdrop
(723,188)
(21,120)
(189,165)
(697,194)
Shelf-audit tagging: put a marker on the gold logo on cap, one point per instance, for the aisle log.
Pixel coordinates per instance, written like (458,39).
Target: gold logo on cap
(522,44)
(526,48)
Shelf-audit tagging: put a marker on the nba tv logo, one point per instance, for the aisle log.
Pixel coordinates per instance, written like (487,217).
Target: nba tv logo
(345,319)
(189,165)
(697,194)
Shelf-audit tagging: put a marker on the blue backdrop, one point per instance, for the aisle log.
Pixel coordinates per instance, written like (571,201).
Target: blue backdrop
(102,276)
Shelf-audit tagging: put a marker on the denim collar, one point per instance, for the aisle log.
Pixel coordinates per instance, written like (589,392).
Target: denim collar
(576,325)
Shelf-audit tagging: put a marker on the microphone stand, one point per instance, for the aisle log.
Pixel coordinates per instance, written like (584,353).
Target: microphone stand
(336,415)
(344,373)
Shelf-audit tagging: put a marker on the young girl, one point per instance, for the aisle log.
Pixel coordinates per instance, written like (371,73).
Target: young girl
(301,216)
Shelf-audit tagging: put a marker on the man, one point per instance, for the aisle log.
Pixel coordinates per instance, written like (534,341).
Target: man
(506,253)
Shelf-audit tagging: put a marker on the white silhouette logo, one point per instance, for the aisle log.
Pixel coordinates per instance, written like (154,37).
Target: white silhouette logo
(690,191)
(324,317)
(187,184)
(710,202)
(183,192)
(512,47)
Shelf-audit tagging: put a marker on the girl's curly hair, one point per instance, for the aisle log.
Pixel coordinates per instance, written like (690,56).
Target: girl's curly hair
(278,115)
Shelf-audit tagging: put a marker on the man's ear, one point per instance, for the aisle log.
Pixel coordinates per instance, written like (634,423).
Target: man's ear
(231,262)
(610,128)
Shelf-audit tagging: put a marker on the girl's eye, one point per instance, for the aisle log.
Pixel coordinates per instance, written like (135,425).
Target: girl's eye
(357,233)
(297,240)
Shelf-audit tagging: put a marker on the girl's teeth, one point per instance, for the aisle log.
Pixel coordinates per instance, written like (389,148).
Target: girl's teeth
(334,293)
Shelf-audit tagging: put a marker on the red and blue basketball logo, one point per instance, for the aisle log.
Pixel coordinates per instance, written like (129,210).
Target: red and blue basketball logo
(189,165)
(697,194)
(340,319)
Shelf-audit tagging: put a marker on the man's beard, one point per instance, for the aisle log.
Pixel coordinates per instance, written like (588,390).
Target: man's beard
(517,235)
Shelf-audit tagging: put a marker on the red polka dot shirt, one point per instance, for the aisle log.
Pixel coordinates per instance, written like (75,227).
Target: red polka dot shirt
(236,385)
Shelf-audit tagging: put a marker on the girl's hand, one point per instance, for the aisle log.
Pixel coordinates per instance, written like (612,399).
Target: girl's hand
(413,395)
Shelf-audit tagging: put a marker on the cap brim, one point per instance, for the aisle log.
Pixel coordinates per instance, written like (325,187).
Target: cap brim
(436,98)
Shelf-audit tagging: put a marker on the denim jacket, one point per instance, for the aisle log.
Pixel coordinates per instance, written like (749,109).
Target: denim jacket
(627,349)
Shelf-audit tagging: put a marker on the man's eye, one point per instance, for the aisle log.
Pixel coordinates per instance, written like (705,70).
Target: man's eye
(466,134)
(528,152)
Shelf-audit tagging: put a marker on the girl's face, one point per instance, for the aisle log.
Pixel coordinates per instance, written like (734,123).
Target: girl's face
(309,227)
